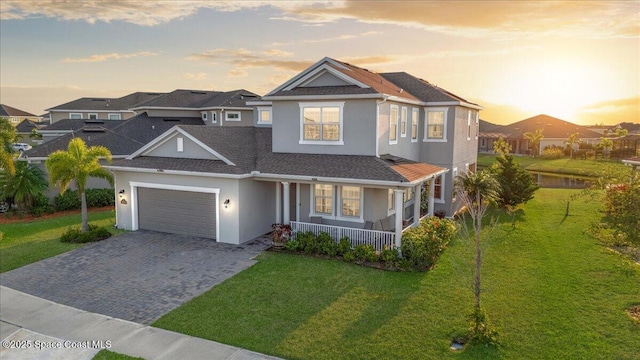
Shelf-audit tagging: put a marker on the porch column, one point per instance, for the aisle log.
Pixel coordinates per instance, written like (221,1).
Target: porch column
(278,202)
(432,192)
(416,204)
(286,203)
(399,206)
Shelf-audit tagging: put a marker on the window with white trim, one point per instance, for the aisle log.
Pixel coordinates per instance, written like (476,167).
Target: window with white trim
(414,124)
(403,122)
(264,115)
(393,124)
(453,190)
(214,117)
(323,199)
(351,196)
(93,116)
(408,195)
(179,144)
(232,116)
(204,116)
(469,125)
(114,117)
(438,194)
(435,128)
(75,115)
(391,203)
(321,123)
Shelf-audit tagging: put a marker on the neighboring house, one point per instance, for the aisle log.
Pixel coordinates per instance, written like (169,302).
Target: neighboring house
(100,108)
(16,116)
(337,148)
(555,133)
(489,133)
(25,131)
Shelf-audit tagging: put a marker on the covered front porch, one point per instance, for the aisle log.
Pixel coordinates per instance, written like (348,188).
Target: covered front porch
(365,213)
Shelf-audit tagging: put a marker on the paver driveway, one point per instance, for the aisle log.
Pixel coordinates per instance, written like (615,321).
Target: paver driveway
(137,276)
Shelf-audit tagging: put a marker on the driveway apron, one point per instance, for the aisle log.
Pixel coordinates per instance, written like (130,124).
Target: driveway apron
(137,276)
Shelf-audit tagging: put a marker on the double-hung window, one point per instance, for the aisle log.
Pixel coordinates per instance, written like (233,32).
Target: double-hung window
(350,198)
(321,123)
(403,122)
(469,126)
(437,189)
(414,125)
(435,125)
(323,199)
(393,124)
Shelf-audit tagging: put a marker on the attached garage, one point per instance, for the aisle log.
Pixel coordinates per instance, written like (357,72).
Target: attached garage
(176,211)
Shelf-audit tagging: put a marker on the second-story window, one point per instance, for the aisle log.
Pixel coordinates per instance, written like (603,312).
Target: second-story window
(75,116)
(414,125)
(435,125)
(114,117)
(232,116)
(264,115)
(321,123)
(393,124)
(403,122)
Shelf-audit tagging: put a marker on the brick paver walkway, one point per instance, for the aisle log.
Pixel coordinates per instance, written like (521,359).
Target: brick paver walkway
(137,276)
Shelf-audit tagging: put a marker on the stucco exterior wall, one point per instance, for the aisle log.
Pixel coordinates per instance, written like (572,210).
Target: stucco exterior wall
(359,120)
(404,147)
(257,202)
(191,150)
(246,118)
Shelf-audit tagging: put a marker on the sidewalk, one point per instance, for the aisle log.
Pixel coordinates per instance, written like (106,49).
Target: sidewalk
(26,317)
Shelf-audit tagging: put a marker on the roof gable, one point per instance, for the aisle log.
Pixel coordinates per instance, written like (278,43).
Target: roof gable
(176,145)
(6,110)
(553,128)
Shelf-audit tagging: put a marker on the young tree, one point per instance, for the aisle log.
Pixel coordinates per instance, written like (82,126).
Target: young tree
(477,191)
(501,147)
(534,141)
(572,140)
(516,185)
(606,144)
(77,164)
(24,185)
(622,132)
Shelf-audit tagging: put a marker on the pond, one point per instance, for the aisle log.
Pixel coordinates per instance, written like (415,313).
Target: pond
(548,180)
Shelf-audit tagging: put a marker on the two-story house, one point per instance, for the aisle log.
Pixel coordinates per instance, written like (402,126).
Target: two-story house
(337,148)
(16,116)
(93,108)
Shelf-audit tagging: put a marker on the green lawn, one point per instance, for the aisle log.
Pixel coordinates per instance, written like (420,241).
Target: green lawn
(27,242)
(552,291)
(110,355)
(576,167)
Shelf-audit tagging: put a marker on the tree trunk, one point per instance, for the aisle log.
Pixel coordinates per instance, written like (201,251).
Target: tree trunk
(85,217)
(478,257)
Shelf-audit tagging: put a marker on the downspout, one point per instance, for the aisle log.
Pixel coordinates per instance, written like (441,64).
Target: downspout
(378,103)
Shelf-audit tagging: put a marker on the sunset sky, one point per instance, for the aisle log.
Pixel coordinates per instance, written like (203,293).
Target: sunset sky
(579,61)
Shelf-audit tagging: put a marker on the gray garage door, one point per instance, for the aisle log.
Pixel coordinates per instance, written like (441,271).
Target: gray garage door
(177,212)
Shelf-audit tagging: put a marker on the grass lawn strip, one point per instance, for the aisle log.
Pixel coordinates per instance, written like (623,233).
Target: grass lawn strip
(564,166)
(27,242)
(552,291)
(110,355)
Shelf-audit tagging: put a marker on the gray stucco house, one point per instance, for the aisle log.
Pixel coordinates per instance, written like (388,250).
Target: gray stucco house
(337,148)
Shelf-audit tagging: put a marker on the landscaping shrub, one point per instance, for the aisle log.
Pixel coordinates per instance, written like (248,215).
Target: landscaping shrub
(76,236)
(349,256)
(389,256)
(326,245)
(365,253)
(344,246)
(301,241)
(70,200)
(41,206)
(422,245)
(552,152)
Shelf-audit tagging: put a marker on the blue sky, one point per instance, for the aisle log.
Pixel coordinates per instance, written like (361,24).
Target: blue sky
(575,60)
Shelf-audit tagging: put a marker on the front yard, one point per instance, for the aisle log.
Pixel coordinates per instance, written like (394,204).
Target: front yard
(23,243)
(552,291)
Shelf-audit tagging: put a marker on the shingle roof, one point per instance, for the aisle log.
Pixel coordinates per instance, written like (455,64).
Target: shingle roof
(249,149)
(121,137)
(420,88)
(201,99)
(115,104)
(553,128)
(6,110)
(27,125)
(325,90)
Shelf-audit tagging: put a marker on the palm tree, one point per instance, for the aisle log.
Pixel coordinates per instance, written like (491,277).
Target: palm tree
(24,185)
(534,140)
(571,140)
(606,145)
(477,191)
(77,164)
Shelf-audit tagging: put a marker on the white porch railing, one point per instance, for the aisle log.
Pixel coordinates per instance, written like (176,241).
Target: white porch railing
(377,239)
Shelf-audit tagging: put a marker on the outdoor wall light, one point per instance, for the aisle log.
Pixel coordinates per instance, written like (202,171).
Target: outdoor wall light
(121,192)
(226,203)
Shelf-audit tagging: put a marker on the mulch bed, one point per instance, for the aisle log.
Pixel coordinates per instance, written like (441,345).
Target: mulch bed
(28,217)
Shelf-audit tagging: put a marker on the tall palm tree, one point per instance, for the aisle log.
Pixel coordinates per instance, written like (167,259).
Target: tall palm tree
(534,140)
(571,140)
(24,185)
(477,191)
(77,164)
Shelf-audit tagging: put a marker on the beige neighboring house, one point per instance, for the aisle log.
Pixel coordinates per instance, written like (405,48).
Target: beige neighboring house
(90,108)
(16,116)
